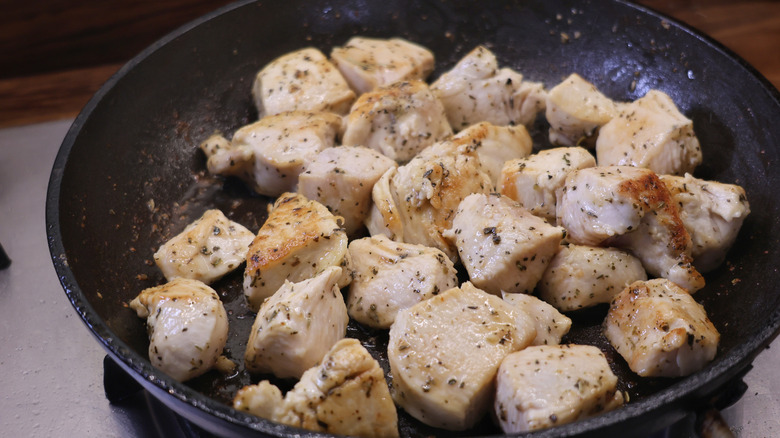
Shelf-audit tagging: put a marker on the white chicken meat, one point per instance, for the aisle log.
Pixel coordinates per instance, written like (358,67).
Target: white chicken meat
(650,132)
(713,214)
(576,110)
(444,353)
(534,180)
(417,202)
(206,250)
(390,276)
(660,330)
(502,245)
(398,120)
(344,395)
(550,385)
(369,63)
(299,240)
(188,326)
(270,153)
(581,276)
(629,207)
(303,80)
(495,145)
(551,325)
(297,325)
(342,178)
(476,90)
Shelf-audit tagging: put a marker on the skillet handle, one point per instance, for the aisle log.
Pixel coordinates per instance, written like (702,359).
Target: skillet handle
(117,384)
(709,422)
(4,260)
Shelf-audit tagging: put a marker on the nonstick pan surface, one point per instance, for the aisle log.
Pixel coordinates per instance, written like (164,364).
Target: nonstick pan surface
(129,176)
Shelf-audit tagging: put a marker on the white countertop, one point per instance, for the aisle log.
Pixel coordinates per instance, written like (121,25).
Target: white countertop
(51,368)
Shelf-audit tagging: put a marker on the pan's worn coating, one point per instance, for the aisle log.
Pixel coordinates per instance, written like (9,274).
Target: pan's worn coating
(129,175)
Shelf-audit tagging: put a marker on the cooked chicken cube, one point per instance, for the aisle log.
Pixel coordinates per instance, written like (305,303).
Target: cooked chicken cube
(630,208)
(532,181)
(297,325)
(301,80)
(576,110)
(650,132)
(341,178)
(495,145)
(712,212)
(206,250)
(345,395)
(476,90)
(582,276)
(545,386)
(390,276)
(444,353)
(269,154)
(399,120)
(551,325)
(299,240)
(422,196)
(369,63)
(660,330)
(187,325)
(502,246)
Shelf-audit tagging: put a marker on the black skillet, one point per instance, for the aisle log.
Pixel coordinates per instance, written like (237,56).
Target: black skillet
(129,176)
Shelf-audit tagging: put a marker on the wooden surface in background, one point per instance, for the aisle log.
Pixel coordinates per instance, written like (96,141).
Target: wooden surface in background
(57,53)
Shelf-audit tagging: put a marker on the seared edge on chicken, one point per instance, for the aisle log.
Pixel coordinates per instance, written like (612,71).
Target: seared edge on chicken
(650,132)
(660,330)
(629,207)
(502,245)
(342,178)
(299,240)
(344,395)
(187,325)
(533,181)
(582,276)
(495,145)
(206,250)
(398,120)
(301,80)
(369,63)
(476,90)
(297,325)
(549,385)
(269,154)
(444,353)
(551,325)
(576,110)
(390,276)
(713,214)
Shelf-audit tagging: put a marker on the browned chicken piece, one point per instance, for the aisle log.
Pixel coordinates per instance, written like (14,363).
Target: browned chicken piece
(495,145)
(650,132)
(299,240)
(444,353)
(660,330)
(346,394)
(712,212)
(533,181)
(576,110)
(296,326)
(417,202)
(549,385)
(398,120)
(476,90)
(582,276)
(369,63)
(502,245)
(631,208)
(301,80)
(342,178)
(269,154)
